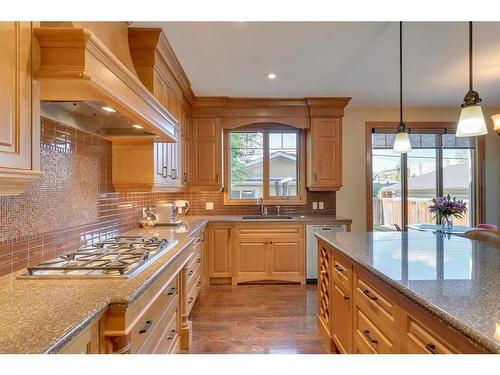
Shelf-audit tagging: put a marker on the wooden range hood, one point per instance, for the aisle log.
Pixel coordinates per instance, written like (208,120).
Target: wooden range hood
(75,65)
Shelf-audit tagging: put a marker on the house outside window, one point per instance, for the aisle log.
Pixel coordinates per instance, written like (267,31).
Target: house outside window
(264,163)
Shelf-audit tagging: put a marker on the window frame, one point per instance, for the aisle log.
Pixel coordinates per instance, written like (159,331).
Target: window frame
(477,168)
(299,199)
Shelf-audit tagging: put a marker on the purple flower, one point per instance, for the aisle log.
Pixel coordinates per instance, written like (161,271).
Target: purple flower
(446,206)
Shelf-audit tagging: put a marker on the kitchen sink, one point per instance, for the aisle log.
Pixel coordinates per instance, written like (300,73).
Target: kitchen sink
(268,217)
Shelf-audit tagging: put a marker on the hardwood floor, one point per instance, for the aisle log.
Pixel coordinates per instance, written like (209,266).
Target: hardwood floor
(257,319)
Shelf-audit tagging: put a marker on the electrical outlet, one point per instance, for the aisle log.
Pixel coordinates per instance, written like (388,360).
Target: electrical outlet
(321,205)
(209,205)
(315,205)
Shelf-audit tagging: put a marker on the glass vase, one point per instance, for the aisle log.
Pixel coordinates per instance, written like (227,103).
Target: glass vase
(447,222)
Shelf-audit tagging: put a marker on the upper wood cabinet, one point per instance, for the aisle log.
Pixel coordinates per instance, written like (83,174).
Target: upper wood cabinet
(19,108)
(206,147)
(325,154)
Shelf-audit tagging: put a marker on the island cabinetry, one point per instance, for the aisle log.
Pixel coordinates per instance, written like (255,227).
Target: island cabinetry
(19,108)
(363,314)
(271,252)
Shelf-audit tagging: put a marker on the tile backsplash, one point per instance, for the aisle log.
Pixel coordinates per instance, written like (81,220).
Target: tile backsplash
(74,203)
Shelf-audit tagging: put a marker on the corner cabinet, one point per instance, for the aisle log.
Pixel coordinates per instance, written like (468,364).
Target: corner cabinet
(19,108)
(324,157)
(206,163)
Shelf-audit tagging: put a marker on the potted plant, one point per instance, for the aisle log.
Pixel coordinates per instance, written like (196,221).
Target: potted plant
(445,209)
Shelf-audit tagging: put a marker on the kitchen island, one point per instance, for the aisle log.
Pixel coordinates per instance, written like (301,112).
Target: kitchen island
(405,292)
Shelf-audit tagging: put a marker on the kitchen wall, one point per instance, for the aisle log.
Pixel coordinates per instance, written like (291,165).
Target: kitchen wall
(351,200)
(74,204)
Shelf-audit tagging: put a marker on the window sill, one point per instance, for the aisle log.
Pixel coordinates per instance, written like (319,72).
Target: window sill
(266,202)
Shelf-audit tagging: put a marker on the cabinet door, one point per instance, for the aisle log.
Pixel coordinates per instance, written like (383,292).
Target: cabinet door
(207,153)
(326,153)
(220,251)
(184,148)
(250,257)
(286,258)
(19,109)
(342,333)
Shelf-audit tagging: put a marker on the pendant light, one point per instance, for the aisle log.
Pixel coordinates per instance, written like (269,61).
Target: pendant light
(471,122)
(402,143)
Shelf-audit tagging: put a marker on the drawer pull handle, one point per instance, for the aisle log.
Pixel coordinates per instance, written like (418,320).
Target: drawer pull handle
(198,283)
(431,347)
(366,292)
(172,334)
(346,298)
(198,260)
(190,272)
(338,268)
(171,291)
(146,326)
(367,335)
(190,300)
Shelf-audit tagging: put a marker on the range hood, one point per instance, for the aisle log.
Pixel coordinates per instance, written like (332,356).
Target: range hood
(78,74)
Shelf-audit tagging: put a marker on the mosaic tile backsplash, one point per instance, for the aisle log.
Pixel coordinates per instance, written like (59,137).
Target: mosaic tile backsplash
(74,204)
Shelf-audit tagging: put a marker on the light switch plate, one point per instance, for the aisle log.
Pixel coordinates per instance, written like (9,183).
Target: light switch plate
(315,205)
(321,205)
(209,205)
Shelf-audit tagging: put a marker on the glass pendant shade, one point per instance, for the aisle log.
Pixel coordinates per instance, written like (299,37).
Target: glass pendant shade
(402,142)
(496,123)
(471,122)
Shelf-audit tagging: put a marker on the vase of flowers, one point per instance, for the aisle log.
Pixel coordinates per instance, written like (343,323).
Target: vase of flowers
(446,208)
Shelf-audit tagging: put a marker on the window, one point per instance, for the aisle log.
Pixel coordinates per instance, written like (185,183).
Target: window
(264,163)
(402,185)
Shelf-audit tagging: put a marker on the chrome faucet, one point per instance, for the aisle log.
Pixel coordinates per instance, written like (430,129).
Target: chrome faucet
(263,210)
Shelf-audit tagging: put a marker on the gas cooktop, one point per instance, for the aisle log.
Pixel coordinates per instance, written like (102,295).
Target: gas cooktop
(118,257)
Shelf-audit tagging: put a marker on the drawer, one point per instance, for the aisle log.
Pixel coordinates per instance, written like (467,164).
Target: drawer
(379,308)
(342,272)
(192,276)
(150,318)
(170,335)
(289,232)
(420,340)
(157,331)
(193,294)
(371,335)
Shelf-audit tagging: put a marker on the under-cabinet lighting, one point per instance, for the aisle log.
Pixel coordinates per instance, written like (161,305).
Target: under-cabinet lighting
(271,75)
(137,126)
(108,109)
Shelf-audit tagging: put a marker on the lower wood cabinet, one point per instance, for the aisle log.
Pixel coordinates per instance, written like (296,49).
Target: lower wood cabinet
(271,252)
(219,250)
(362,314)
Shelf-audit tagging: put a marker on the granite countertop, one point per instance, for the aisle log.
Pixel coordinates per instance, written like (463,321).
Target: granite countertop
(319,219)
(455,278)
(41,316)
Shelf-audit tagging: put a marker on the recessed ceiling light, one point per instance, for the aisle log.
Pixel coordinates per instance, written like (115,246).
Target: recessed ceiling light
(108,109)
(271,76)
(137,126)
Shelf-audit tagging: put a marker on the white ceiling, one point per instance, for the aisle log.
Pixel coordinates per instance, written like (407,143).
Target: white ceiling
(357,59)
